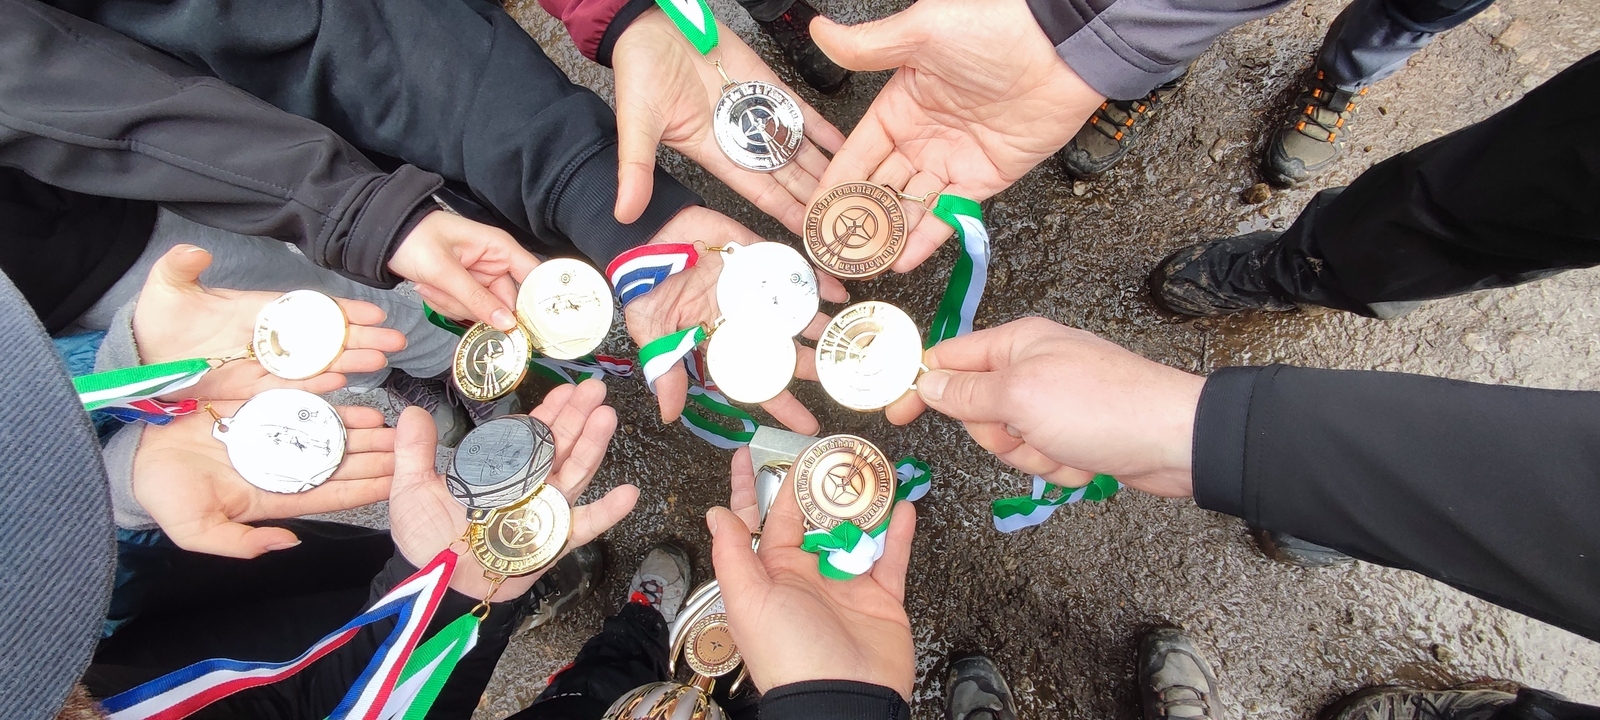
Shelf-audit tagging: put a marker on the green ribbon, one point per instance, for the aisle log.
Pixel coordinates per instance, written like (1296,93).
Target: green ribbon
(142,382)
(970,274)
(847,551)
(1011,514)
(429,668)
(694,20)
(571,372)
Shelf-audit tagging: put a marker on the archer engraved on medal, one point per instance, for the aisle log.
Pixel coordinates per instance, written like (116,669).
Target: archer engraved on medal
(299,334)
(526,537)
(567,308)
(758,125)
(499,463)
(490,363)
(855,230)
(283,440)
(869,355)
(844,478)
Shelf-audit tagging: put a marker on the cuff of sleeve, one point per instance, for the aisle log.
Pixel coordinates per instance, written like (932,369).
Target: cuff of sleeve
(833,699)
(587,195)
(1220,427)
(503,616)
(118,454)
(1115,71)
(619,23)
(119,350)
(385,219)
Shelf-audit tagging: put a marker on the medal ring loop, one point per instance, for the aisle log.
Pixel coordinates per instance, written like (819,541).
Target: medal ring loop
(928,200)
(494,579)
(215,417)
(709,248)
(727,82)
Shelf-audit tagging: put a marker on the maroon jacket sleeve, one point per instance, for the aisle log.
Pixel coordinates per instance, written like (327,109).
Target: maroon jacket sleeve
(595,24)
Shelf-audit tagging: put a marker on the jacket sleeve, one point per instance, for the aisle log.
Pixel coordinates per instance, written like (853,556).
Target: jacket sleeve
(1489,488)
(89,110)
(1124,48)
(457,88)
(595,25)
(833,700)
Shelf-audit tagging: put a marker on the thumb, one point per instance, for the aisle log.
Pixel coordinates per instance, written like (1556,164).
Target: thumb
(181,266)
(414,447)
(878,45)
(966,396)
(739,572)
(236,540)
(639,130)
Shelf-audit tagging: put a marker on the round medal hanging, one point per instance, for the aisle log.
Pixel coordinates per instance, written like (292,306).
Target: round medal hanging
(869,355)
(500,463)
(769,283)
(758,125)
(490,363)
(299,334)
(283,440)
(567,308)
(526,537)
(855,230)
(708,645)
(750,361)
(844,478)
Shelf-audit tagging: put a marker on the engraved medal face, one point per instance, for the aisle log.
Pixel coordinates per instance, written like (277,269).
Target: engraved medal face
(500,462)
(767,282)
(299,334)
(567,307)
(758,126)
(844,478)
(750,361)
(283,440)
(664,701)
(855,230)
(490,363)
(708,644)
(526,537)
(869,355)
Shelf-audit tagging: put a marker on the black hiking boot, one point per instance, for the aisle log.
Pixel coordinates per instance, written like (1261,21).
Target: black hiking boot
(1388,702)
(1291,550)
(792,32)
(1220,277)
(1311,139)
(1175,681)
(564,586)
(1111,131)
(977,691)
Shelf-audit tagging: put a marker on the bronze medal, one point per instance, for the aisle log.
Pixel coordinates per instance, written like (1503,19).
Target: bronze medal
(844,478)
(709,648)
(526,537)
(489,363)
(855,230)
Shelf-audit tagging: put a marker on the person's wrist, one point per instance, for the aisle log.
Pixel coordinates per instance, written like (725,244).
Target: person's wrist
(1176,434)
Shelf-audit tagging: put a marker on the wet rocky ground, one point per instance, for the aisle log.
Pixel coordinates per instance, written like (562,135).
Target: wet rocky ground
(1061,607)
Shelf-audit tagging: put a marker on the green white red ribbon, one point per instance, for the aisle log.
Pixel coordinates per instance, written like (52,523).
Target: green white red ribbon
(971,272)
(1015,513)
(694,20)
(130,393)
(847,551)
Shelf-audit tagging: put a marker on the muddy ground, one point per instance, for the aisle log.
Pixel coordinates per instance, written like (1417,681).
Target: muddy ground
(1061,607)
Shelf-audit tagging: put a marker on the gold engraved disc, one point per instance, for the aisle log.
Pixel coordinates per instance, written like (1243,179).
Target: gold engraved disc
(869,355)
(526,537)
(855,230)
(709,649)
(567,308)
(750,361)
(844,478)
(299,334)
(490,363)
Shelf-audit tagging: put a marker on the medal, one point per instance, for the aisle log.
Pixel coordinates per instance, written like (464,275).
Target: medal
(567,308)
(869,356)
(708,645)
(490,363)
(666,701)
(843,478)
(283,440)
(768,282)
(500,463)
(750,361)
(757,125)
(299,334)
(526,537)
(855,230)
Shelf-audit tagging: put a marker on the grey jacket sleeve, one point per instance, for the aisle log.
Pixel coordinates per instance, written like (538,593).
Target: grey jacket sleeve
(1124,48)
(86,109)
(117,351)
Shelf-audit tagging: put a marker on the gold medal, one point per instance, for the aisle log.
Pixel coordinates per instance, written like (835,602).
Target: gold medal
(299,334)
(844,478)
(869,355)
(855,230)
(709,648)
(750,361)
(490,363)
(567,308)
(526,537)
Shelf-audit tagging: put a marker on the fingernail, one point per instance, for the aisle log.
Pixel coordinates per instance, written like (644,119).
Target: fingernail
(192,248)
(282,546)
(501,320)
(711,520)
(1013,432)
(931,385)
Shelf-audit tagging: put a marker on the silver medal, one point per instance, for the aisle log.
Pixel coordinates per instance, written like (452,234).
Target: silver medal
(768,282)
(299,334)
(758,125)
(499,463)
(283,441)
(750,361)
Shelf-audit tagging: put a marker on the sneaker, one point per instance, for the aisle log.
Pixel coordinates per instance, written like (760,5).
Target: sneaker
(977,691)
(1220,277)
(1312,138)
(433,394)
(1175,682)
(1384,703)
(1111,131)
(1290,550)
(662,580)
(792,32)
(563,587)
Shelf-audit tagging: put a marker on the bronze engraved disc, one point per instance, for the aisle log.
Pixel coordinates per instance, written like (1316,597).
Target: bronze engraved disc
(844,478)
(709,649)
(855,230)
(525,537)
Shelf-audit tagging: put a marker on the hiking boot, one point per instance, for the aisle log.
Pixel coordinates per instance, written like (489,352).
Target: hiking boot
(792,32)
(1111,131)
(433,394)
(1384,703)
(977,691)
(1175,682)
(563,587)
(662,581)
(1220,277)
(1290,550)
(1312,138)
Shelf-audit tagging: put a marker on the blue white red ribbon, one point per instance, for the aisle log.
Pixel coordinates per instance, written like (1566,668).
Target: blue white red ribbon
(638,271)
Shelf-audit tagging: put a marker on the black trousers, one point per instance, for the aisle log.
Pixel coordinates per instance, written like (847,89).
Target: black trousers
(1540,705)
(1510,199)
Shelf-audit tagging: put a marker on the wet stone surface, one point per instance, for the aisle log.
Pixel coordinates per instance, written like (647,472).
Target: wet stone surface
(1061,607)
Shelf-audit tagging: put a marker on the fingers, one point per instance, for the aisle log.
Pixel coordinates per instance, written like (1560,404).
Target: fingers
(863,151)
(371,337)
(902,411)
(785,524)
(639,130)
(927,236)
(180,266)
(742,488)
(442,302)
(357,417)
(373,440)
(831,290)
(414,446)
(361,312)
(588,450)
(328,497)
(593,520)
(878,45)
(890,570)
(235,540)
(739,571)
(568,421)
(364,466)
(1068,477)
(450,278)
(983,350)
(805,365)
(786,409)
(359,361)
(967,396)
(672,391)
(822,132)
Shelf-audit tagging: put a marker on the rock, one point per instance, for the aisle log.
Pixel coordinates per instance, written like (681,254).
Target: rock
(1442,653)
(1366,148)
(1215,153)
(1382,110)
(1257,194)
(1080,188)
(1474,342)
(1513,35)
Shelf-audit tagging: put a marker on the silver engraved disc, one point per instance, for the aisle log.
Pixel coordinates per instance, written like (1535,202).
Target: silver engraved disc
(567,308)
(500,462)
(869,355)
(750,361)
(299,334)
(283,440)
(758,125)
(767,282)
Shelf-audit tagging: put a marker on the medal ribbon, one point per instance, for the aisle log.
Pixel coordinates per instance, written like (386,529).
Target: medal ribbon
(430,666)
(971,272)
(694,20)
(848,551)
(130,393)
(412,603)
(1015,513)
(706,403)
(640,270)
(563,371)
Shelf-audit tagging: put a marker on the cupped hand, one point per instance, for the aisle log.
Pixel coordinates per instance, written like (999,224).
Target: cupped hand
(425,519)
(177,318)
(1064,404)
(793,625)
(183,479)
(980,98)
(665,94)
(463,268)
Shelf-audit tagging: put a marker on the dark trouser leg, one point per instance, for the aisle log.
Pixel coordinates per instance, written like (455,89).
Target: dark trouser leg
(1540,705)
(1372,39)
(1498,203)
(629,651)
(766,10)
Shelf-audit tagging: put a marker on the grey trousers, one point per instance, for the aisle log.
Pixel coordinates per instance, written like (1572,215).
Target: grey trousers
(1372,39)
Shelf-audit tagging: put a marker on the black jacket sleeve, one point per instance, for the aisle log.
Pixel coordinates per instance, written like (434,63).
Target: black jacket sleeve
(1491,489)
(89,110)
(454,87)
(833,700)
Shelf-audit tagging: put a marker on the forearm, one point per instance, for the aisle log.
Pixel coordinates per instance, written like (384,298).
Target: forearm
(1489,488)
(595,25)
(833,700)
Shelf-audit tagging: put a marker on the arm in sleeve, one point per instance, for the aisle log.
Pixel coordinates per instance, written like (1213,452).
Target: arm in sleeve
(595,25)
(833,700)
(1489,488)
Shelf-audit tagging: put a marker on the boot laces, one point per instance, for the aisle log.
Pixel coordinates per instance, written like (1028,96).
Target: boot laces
(1324,108)
(1134,112)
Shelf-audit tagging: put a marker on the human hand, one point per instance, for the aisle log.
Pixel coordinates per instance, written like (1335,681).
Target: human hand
(1064,404)
(742,489)
(690,298)
(665,94)
(425,519)
(182,477)
(464,269)
(980,98)
(177,318)
(793,625)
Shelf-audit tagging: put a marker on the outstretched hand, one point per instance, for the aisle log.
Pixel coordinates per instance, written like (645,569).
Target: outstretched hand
(463,268)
